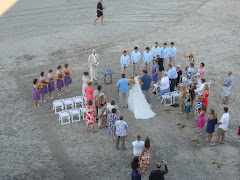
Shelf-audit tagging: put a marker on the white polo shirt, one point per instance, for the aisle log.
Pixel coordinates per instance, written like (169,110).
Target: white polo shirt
(225,121)
(137,147)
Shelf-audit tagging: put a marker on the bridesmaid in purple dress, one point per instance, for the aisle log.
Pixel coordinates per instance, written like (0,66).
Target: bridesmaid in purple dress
(60,84)
(44,89)
(67,78)
(51,86)
(201,118)
(36,92)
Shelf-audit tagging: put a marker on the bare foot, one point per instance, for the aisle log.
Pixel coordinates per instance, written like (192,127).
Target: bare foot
(212,145)
(221,142)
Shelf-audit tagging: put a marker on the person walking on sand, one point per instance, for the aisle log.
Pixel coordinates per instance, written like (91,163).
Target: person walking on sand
(99,12)
(227,87)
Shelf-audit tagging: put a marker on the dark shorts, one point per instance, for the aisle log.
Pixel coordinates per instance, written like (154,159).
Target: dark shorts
(99,14)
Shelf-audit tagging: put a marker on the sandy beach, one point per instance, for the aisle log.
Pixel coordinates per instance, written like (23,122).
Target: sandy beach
(36,36)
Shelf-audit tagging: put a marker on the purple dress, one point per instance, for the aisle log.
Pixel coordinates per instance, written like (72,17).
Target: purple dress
(36,95)
(67,80)
(51,86)
(155,77)
(201,120)
(211,125)
(44,89)
(60,82)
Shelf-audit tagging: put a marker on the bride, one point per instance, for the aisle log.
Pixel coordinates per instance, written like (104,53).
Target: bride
(137,102)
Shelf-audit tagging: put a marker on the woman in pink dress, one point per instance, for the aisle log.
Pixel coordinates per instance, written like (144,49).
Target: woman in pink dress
(91,115)
(201,118)
(89,91)
(201,73)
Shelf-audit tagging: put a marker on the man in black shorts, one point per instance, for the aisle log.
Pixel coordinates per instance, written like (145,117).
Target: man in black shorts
(99,12)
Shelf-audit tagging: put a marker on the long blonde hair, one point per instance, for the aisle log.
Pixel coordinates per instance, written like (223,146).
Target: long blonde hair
(206,87)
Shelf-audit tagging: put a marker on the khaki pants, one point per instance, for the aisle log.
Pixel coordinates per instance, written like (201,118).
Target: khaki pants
(93,73)
(165,64)
(172,61)
(146,93)
(135,69)
(147,67)
(118,139)
(160,75)
(123,98)
(124,71)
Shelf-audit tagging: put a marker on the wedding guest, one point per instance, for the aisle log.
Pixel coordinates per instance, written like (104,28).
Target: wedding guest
(227,87)
(201,118)
(111,105)
(198,106)
(60,83)
(122,88)
(222,127)
(212,121)
(200,89)
(182,96)
(85,80)
(146,82)
(205,95)
(121,127)
(147,58)
(164,53)
(136,170)
(124,60)
(93,60)
(89,91)
(160,64)
(156,50)
(67,77)
(102,107)
(158,174)
(172,74)
(99,12)
(164,85)
(135,57)
(112,118)
(155,70)
(190,58)
(90,115)
(36,92)
(192,88)
(187,105)
(179,72)
(51,86)
(96,95)
(190,73)
(137,146)
(172,53)
(44,89)
(239,132)
(201,73)
(145,156)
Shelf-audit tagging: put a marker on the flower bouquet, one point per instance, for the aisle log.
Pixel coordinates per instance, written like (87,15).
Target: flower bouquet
(40,85)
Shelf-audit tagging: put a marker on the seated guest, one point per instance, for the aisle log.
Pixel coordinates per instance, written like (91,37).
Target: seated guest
(164,85)
(200,89)
(158,174)
(172,74)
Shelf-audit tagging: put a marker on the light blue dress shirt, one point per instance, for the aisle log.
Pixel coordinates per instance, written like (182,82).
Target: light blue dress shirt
(156,51)
(172,73)
(135,56)
(125,60)
(228,82)
(147,57)
(123,85)
(172,51)
(164,52)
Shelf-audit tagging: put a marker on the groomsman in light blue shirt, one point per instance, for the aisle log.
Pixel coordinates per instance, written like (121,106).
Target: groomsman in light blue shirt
(124,60)
(164,54)
(172,53)
(156,50)
(147,58)
(135,57)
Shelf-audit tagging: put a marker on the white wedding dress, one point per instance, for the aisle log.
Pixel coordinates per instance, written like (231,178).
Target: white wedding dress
(137,102)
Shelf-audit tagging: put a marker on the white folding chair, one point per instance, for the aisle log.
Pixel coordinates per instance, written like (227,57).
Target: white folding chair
(84,100)
(75,113)
(157,88)
(64,116)
(68,102)
(175,95)
(83,112)
(78,100)
(167,97)
(58,104)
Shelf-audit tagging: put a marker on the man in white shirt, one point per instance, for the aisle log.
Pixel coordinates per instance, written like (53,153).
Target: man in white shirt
(201,88)
(124,60)
(93,60)
(137,146)
(223,125)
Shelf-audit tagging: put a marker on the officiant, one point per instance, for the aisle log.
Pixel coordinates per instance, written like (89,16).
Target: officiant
(93,60)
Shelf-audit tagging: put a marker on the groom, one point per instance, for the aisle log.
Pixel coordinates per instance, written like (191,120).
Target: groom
(146,82)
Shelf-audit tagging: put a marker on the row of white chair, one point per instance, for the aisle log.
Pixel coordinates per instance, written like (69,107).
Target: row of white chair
(75,115)
(171,97)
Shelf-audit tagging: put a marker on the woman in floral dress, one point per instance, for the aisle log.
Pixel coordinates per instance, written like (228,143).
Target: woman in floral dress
(112,118)
(145,156)
(91,115)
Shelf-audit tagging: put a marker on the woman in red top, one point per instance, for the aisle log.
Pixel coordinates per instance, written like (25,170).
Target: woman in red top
(205,95)
(89,91)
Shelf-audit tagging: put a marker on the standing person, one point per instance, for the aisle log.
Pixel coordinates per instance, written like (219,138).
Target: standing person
(122,88)
(198,106)
(146,82)
(102,107)
(190,73)
(179,72)
(182,96)
(124,60)
(227,87)
(145,156)
(99,12)
(164,85)
(44,89)
(192,90)
(137,146)
(121,127)
(67,77)
(96,95)
(155,70)
(205,95)
(90,115)
(239,132)
(51,86)
(112,118)
(223,125)
(36,92)
(60,83)
(160,64)
(201,73)
(147,58)
(190,58)
(200,89)
(135,57)
(89,91)
(187,105)
(158,174)
(172,53)
(164,53)
(93,60)
(156,50)
(212,121)
(202,118)
(136,170)
(172,74)
(85,80)
(111,105)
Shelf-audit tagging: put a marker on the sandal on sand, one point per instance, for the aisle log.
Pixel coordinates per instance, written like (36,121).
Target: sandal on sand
(212,145)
